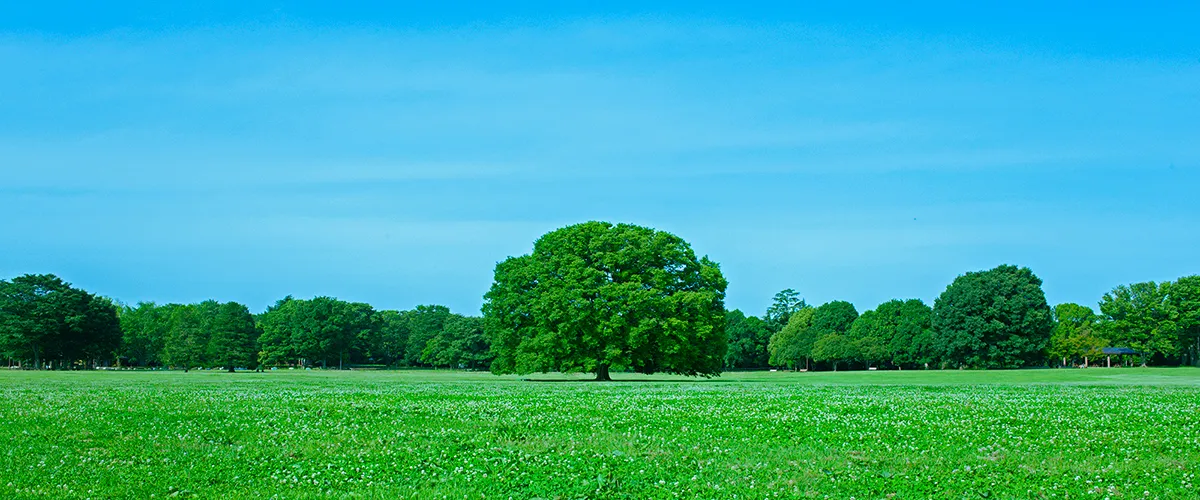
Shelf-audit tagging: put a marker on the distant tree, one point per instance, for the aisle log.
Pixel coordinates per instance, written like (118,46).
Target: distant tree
(424,324)
(44,318)
(323,329)
(461,344)
(187,337)
(1139,316)
(596,296)
(783,306)
(276,344)
(993,319)
(385,342)
(792,346)
(833,317)
(872,335)
(99,329)
(835,348)
(144,333)
(1184,300)
(911,339)
(233,337)
(748,341)
(897,332)
(1074,334)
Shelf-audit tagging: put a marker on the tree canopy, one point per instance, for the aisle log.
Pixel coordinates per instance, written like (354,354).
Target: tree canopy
(783,306)
(993,319)
(1140,316)
(793,344)
(749,338)
(1074,335)
(43,318)
(596,296)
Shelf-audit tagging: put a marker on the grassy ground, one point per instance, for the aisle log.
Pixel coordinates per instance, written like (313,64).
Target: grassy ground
(1096,433)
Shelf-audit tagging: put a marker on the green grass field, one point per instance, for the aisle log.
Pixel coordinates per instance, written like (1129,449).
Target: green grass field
(1095,433)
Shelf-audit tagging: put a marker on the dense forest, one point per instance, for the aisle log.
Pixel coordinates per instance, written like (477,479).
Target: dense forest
(989,319)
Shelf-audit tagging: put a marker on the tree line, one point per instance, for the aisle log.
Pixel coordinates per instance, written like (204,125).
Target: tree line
(47,323)
(997,318)
(595,297)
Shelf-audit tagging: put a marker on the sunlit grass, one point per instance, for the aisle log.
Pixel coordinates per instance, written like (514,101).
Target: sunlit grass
(1096,433)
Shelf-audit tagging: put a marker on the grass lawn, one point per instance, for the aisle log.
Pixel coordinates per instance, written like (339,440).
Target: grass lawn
(1095,433)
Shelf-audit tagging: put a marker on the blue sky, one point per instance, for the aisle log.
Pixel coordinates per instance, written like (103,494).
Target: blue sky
(393,154)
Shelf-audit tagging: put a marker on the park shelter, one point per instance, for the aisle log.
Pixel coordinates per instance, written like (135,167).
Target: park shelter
(1109,352)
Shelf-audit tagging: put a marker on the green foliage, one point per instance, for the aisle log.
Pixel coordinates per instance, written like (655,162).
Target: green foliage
(835,348)
(793,344)
(871,338)
(323,329)
(833,317)
(330,332)
(387,342)
(783,306)
(749,338)
(43,318)
(460,344)
(1074,335)
(993,319)
(1184,300)
(144,334)
(187,336)
(425,323)
(909,325)
(595,296)
(234,336)
(1139,316)
(898,332)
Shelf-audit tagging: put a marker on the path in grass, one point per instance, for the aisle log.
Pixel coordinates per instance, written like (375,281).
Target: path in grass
(1119,433)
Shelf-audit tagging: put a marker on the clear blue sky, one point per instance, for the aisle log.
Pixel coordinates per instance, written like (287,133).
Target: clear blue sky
(394,153)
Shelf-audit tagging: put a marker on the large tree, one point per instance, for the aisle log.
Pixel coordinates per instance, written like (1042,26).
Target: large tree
(993,319)
(596,296)
(1140,316)
(43,318)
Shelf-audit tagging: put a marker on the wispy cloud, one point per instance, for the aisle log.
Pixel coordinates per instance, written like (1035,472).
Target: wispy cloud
(778,148)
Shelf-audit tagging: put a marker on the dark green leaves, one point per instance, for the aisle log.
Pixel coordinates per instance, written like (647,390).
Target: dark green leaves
(594,296)
(992,319)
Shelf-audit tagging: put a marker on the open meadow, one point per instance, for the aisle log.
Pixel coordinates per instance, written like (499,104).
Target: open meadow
(1095,433)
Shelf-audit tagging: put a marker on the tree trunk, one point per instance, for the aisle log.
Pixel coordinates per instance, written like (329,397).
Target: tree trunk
(602,373)
(230,368)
